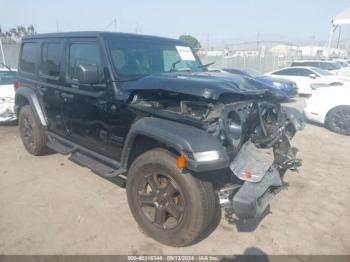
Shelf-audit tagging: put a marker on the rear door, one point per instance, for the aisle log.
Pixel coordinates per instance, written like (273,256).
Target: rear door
(40,70)
(51,75)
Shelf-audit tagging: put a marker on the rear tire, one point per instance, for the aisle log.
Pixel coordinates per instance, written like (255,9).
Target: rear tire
(32,134)
(172,207)
(338,120)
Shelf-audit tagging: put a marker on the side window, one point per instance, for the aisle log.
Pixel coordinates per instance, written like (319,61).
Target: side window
(51,54)
(29,57)
(83,54)
(302,72)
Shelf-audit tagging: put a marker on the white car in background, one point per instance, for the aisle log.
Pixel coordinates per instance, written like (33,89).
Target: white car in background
(7,94)
(331,107)
(333,66)
(308,78)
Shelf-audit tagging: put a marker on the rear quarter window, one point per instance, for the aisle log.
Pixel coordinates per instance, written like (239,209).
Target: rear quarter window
(29,57)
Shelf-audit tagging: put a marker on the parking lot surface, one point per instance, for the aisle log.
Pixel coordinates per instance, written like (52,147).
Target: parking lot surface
(49,205)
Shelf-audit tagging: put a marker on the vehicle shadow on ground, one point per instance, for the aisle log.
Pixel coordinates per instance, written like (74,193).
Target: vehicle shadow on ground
(250,254)
(288,101)
(11,123)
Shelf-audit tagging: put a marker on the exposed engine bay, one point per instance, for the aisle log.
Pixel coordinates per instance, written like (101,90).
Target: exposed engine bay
(234,120)
(255,131)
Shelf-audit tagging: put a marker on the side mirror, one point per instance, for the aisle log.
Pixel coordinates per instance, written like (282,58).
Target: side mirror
(313,76)
(88,74)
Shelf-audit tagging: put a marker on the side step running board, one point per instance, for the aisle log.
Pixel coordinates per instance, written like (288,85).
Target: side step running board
(99,164)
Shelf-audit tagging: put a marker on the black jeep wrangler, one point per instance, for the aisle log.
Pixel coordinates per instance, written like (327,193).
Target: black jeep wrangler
(143,112)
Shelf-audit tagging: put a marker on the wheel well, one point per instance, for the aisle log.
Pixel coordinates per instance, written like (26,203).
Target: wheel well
(334,108)
(20,101)
(142,144)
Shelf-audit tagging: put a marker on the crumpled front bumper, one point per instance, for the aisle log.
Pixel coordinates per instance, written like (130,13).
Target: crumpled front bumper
(252,198)
(258,169)
(7,112)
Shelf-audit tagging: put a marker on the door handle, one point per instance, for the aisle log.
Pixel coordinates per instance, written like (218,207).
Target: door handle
(68,96)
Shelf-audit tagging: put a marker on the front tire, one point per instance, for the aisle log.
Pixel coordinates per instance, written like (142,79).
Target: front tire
(32,134)
(172,207)
(338,120)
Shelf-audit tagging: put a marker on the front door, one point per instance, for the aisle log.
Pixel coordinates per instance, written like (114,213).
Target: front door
(85,105)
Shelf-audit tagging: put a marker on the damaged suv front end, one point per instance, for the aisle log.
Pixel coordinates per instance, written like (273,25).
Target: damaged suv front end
(251,150)
(253,130)
(258,137)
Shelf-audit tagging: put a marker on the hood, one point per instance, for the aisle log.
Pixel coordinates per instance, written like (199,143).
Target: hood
(208,85)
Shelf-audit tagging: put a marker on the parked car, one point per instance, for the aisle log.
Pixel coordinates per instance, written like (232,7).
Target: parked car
(331,107)
(335,67)
(142,112)
(7,94)
(307,78)
(322,64)
(287,87)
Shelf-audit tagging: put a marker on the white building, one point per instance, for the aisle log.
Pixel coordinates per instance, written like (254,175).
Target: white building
(306,51)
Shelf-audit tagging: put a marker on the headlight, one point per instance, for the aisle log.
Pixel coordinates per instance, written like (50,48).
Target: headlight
(277,84)
(234,124)
(206,156)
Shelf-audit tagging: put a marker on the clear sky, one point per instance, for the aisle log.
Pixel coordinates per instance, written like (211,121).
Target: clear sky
(214,20)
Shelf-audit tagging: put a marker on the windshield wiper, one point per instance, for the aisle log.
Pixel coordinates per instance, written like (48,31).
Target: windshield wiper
(206,65)
(9,68)
(173,65)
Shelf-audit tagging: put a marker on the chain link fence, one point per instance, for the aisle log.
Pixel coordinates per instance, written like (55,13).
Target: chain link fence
(265,63)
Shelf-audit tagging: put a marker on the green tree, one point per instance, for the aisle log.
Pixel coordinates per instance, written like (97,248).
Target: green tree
(16,33)
(191,40)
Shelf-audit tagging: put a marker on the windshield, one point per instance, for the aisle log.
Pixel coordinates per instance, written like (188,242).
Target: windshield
(343,64)
(139,57)
(7,77)
(336,65)
(253,73)
(321,71)
(327,66)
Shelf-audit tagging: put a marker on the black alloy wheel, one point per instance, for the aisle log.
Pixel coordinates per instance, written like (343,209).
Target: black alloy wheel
(161,200)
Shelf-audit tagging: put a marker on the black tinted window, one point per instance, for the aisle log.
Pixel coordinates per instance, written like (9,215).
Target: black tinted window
(50,59)
(83,54)
(29,57)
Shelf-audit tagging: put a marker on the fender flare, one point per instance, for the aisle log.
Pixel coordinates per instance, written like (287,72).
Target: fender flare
(184,139)
(33,101)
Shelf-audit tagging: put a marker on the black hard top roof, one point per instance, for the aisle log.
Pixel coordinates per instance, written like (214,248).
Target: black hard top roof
(94,34)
